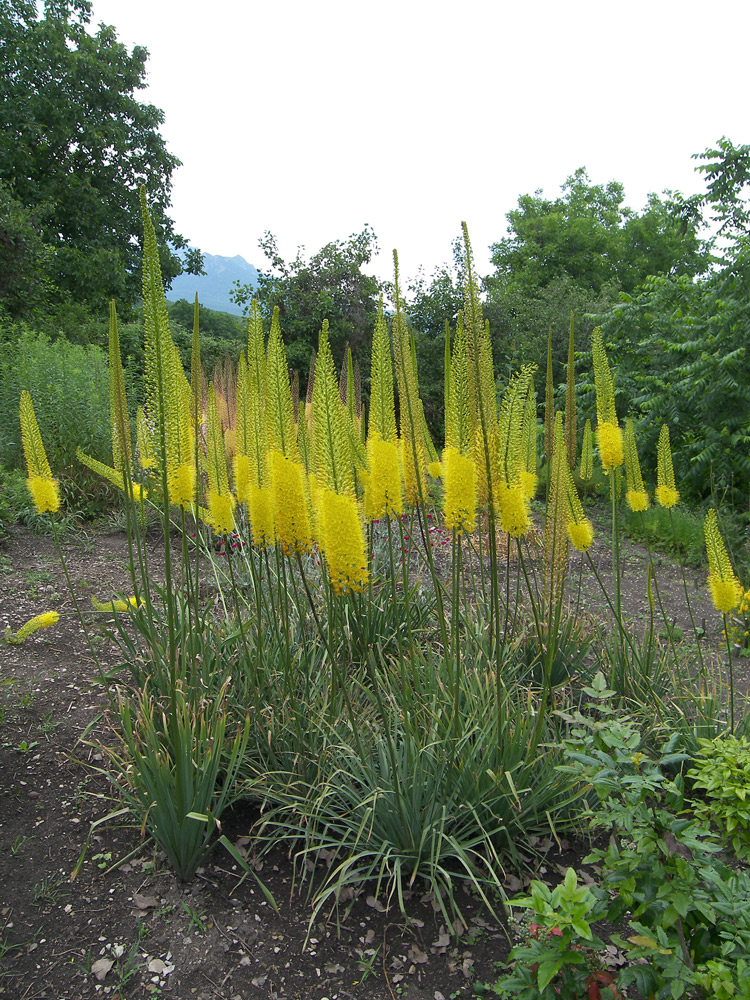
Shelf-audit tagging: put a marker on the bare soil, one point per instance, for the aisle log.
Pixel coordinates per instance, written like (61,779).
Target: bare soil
(134,930)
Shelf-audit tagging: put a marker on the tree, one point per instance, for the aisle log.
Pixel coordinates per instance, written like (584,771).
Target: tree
(430,305)
(329,285)
(75,146)
(585,247)
(680,344)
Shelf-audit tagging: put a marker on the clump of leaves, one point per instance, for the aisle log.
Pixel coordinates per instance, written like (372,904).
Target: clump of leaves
(722,771)
(560,955)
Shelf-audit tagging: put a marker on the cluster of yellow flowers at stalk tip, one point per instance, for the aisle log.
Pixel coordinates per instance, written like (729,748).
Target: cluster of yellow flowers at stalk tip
(726,589)
(46,620)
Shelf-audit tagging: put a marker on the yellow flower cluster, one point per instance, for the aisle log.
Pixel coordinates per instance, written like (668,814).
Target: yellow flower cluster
(46,620)
(43,488)
(460,500)
(666,492)
(341,541)
(726,590)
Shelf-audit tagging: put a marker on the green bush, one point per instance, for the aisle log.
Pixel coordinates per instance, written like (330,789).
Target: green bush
(69,385)
(722,772)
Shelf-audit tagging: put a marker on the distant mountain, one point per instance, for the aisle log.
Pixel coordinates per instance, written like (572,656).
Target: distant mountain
(214,286)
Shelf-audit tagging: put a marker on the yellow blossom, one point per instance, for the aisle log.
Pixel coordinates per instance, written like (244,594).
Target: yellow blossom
(609,439)
(342,541)
(726,589)
(220,506)
(666,491)
(581,535)
(383,491)
(45,493)
(460,501)
(290,513)
(637,500)
(181,485)
(261,516)
(46,620)
(514,511)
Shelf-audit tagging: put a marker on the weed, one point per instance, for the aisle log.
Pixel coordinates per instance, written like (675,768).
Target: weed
(197,921)
(46,725)
(50,890)
(17,844)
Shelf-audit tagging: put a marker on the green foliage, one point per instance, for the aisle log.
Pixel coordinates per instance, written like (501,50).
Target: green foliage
(560,957)
(577,253)
(681,349)
(328,285)
(721,770)
(75,146)
(660,869)
(675,530)
(70,388)
(177,760)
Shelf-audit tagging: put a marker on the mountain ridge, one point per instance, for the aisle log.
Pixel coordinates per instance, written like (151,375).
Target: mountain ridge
(214,286)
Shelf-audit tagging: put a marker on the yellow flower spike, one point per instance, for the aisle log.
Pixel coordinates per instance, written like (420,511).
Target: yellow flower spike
(435,469)
(587,454)
(342,541)
(726,589)
(242,478)
(116,605)
(181,485)
(220,516)
(580,529)
(514,511)
(43,488)
(46,620)
(609,440)
(556,533)
(608,433)
(581,535)
(636,496)
(289,504)
(260,504)
(384,490)
(667,495)
(529,433)
(45,493)
(146,456)
(111,475)
(460,500)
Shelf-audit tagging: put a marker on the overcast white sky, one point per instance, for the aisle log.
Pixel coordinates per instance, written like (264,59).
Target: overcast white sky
(313,117)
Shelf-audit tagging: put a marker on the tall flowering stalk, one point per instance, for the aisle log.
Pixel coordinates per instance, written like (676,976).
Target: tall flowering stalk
(529,475)
(220,500)
(43,488)
(510,496)
(587,453)
(608,433)
(611,452)
(726,589)
(167,389)
(571,428)
(459,466)
(667,494)
(383,487)
(636,496)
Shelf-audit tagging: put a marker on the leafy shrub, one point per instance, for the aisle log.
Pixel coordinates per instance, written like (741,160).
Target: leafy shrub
(69,385)
(722,771)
